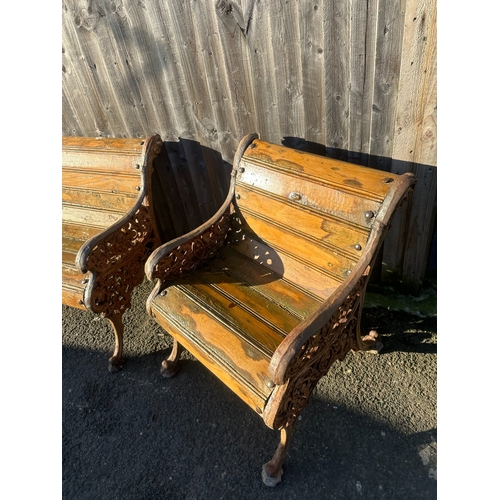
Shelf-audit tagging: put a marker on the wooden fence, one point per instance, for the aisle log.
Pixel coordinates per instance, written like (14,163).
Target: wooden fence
(354,80)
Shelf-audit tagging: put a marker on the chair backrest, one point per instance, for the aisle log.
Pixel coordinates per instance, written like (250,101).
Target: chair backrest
(100,182)
(305,216)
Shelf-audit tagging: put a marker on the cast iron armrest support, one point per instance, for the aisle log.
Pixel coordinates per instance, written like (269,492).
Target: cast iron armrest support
(284,358)
(123,247)
(187,252)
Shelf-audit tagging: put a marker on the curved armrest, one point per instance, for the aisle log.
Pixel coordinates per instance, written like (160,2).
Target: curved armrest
(189,250)
(110,247)
(291,346)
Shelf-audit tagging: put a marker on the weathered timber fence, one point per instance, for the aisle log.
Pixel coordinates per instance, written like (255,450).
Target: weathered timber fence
(350,79)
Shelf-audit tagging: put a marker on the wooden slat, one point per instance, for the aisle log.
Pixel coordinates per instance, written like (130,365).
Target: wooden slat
(68,257)
(104,145)
(337,19)
(316,225)
(72,296)
(79,231)
(342,204)
(101,181)
(96,160)
(300,273)
(88,216)
(324,259)
(93,199)
(72,277)
(241,366)
(247,273)
(312,54)
(242,313)
(359,180)
(71,245)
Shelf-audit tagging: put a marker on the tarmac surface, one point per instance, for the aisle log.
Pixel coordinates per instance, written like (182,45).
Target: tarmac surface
(369,431)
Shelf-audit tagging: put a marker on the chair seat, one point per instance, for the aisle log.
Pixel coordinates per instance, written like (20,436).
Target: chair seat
(232,315)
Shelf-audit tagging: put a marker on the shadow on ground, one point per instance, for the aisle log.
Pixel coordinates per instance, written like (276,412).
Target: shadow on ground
(368,432)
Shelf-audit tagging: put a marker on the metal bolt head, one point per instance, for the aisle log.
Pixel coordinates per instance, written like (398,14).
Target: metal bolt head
(295,196)
(85,281)
(387,180)
(241,170)
(357,246)
(137,166)
(368,214)
(238,196)
(163,293)
(137,188)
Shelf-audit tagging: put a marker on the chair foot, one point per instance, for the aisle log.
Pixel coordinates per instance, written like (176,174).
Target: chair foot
(273,470)
(170,365)
(372,340)
(115,364)
(269,480)
(116,361)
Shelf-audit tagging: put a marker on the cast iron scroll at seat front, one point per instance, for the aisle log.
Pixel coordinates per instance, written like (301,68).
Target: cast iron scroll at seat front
(269,292)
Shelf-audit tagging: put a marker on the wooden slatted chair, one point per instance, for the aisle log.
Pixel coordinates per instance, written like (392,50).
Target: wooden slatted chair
(269,292)
(108,225)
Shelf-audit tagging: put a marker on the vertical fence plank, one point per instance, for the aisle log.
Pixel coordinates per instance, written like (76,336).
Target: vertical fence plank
(356,80)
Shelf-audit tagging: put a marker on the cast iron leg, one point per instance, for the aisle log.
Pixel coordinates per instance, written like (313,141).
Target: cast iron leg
(116,361)
(170,366)
(272,470)
(373,343)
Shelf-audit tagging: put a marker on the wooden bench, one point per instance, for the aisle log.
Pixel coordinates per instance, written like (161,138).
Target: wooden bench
(268,293)
(108,226)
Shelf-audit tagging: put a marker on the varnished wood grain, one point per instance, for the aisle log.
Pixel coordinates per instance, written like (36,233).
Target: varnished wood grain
(324,228)
(100,179)
(241,366)
(302,274)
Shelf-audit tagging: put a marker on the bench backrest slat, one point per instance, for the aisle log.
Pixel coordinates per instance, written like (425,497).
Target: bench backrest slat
(100,184)
(305,216)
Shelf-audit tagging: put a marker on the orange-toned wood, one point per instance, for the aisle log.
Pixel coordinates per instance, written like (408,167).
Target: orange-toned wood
(108,226)
(271,300)
(102,180)
(240,365)
(361,181)
(324,228)
(105,201)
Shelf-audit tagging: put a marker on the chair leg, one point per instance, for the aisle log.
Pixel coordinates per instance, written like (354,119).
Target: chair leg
(272,470)
(170,365)
(116,361)
(373,344)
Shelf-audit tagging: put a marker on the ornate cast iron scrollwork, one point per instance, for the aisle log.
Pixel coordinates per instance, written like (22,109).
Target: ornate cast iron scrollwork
(195,251)
(117,264)
(331,343)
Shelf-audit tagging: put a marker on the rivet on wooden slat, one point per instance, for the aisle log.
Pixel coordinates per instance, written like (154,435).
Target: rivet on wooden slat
(253,145)
(238,196)
(137,188)
(163,293)
(357,246)
(85,281)
(387,180)
(295,196)
(80,302)
(270,384)
(241,170)
(369,214)
(137,166)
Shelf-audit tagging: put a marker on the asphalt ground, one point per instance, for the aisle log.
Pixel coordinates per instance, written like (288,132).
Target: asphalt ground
(369,431)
